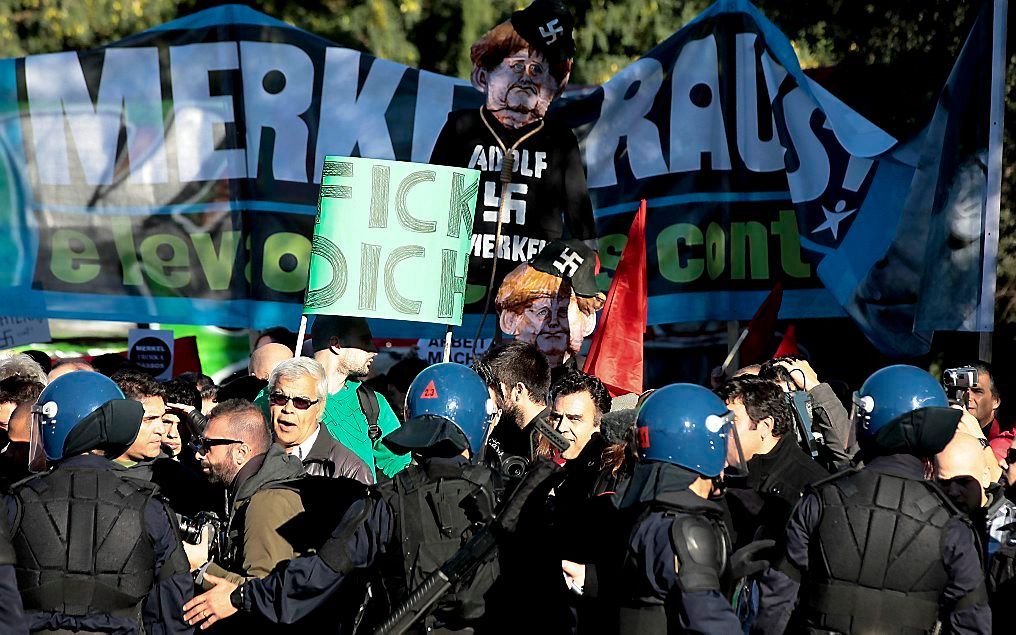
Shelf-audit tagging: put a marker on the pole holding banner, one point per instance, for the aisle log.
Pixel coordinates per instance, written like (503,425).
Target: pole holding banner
(993,189)
(300,336)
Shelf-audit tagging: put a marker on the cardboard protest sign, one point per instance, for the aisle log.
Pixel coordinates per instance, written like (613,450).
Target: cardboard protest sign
(391,240)
(18,331)
(152,350)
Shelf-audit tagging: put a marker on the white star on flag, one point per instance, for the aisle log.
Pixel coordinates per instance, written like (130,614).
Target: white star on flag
(833,219)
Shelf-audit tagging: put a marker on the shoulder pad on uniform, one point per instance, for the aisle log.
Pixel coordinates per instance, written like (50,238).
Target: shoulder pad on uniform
(701,553)
(850,471)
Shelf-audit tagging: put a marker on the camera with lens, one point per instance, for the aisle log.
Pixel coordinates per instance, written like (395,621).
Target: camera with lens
(192,528)
(514,466)
(958,382)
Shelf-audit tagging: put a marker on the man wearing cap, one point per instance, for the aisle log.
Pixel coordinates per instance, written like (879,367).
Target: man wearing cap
(355,415)
(551,301)
(96,551)
(521,66)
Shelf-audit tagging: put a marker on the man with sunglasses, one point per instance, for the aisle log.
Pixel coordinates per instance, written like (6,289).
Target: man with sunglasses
(297,394)
(237,451)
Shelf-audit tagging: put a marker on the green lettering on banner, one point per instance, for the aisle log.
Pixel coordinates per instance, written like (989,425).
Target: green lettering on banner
(407,269)
(669,247)
(749,239)
(70,251)
(790,245)
(716,250)
(218,267)
(273,274)
(171,272)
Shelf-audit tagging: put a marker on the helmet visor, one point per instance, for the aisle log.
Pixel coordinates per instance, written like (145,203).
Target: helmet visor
(735,464)
(860,412)
(36,453)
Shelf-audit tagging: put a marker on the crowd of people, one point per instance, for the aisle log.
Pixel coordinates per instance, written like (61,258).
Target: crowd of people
(311,495)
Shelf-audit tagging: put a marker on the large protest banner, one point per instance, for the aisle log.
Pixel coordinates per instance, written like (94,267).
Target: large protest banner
(392,240)
(172,176)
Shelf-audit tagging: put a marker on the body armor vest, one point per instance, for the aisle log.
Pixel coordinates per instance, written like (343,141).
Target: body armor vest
(81,543)
(875,563)
(436,514)
(645,613)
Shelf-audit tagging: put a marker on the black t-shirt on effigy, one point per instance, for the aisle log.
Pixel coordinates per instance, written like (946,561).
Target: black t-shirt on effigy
(547,193)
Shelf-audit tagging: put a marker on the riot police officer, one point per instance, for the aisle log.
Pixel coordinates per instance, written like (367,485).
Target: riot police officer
(881,549)
(95,551)
(12,617)
(676,549)
(404,529)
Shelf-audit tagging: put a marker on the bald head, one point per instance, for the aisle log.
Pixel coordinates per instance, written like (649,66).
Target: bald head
(963,456)
(264,359)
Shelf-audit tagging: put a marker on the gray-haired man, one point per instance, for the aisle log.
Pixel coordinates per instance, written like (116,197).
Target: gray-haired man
(297,394)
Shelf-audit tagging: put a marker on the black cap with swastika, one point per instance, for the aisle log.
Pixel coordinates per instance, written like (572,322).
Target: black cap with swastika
(570,259)
(547,26)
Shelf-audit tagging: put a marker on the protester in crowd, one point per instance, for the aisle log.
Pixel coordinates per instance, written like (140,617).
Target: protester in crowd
(206,386)
(265,358)
(778,471)
(17,460)
(110,363)
(236,450)
(15,391)
(22,365)
(920,563)
(112,528)
(298,394)
(400,376)
(276,335)
(518,378)
(579,402)
(182,399)
(64,366)
(829,417)
(137,460)
(41,358)
(356,416)
(983,401)
(437,498)
(961,473)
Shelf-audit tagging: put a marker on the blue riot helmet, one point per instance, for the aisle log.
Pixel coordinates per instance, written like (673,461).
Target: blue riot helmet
(688,426)
(903,409)
(447,404)
(76,413)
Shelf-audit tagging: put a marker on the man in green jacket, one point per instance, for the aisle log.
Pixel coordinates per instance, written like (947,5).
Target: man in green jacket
(344,346)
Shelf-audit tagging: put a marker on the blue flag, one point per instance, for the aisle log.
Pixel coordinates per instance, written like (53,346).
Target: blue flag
(911,263)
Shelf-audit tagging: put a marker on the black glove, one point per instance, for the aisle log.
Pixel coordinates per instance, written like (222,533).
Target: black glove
(743,562)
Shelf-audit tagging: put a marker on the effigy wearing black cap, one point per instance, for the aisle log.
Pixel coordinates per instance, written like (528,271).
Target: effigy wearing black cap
(570,259)
(547,26)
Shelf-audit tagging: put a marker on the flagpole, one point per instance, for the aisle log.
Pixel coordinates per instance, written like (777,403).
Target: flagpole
(993,190)
(300,336)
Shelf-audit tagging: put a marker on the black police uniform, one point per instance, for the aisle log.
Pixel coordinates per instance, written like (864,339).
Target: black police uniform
(880,550)
(12,616)
(97,552)
(381,533)
(650,593)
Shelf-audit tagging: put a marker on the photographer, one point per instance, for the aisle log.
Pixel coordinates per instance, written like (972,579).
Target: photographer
(237,451)
(829,417)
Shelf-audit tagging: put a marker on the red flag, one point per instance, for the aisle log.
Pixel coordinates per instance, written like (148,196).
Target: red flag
(760,330)
(615,355)
(789,344)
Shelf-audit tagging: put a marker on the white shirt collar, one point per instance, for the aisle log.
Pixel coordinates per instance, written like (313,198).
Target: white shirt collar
(301,451)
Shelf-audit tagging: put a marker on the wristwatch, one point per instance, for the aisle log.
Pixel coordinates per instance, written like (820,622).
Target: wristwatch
(238,598)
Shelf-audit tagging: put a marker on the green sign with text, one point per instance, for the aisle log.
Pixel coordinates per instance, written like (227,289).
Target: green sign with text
(391,240)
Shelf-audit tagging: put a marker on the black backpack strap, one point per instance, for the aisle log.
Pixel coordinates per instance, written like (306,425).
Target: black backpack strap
(371,410)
